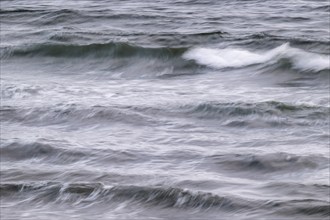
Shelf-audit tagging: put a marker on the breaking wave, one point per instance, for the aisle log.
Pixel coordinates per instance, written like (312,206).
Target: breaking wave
(237,57)
(282,57)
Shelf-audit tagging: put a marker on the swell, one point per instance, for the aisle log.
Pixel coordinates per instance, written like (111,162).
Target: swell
(317,191)
(242,114)
(63,153)
(235,114)
(166,197)
(281,58)
(324,8)
(304,207)
(186,39)
(9,91)
(72,114)
(150,196)
(52,16)
(18,11)
(211,109)
(251,164)
(81,16)
(18,151)
(98,50)
(43,17)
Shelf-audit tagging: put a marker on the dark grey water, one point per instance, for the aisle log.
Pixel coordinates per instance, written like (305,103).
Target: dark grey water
(161,109)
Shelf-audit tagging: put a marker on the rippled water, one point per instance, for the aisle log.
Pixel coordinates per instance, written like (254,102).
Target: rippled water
(176,109)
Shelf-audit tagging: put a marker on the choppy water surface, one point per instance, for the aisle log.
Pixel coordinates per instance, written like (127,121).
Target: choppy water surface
(174,109)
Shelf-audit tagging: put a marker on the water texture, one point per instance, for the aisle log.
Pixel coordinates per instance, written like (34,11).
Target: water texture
(177,109)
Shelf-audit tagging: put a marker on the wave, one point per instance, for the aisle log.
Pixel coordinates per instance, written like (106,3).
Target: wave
(184,59)
(271,113)
(60,16)
(324,8)
(262,39)
(304,207)
(317,191)
(246,108)
(9,91)
(19,10)
(62,153)
(150,196)
(230,114)
(112,49)
(237,58)
(267,163)
(166,197)
(72,114)
(52,16)
(36,150)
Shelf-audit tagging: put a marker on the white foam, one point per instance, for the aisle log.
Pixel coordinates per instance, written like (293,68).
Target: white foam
(308,61)
(235,57)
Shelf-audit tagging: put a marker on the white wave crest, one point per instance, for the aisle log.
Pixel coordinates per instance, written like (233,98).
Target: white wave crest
(234,57)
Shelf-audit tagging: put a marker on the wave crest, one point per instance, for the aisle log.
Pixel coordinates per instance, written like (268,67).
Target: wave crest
(165,197)
(231,114)
(237,57)
(168,197)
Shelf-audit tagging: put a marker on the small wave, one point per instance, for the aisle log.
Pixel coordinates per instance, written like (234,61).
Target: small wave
(46,16)
(245,108)
(36,150)
(58,16)
(305,187)
(112,49)
(286,18)
(231,114)
(212,109)
(62,153)
(150,196)
(211,33)
(166,197)
(61,16)
(187,38)
(325,8)
(275,162)
(290,40)
(272,113)
(244,114)
(317,191)
(9,91)
(236,58)
(19,10)
(73,115)
(305,207)
(262,39)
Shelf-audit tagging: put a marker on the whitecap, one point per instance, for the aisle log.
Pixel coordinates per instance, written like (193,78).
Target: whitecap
(237,57)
